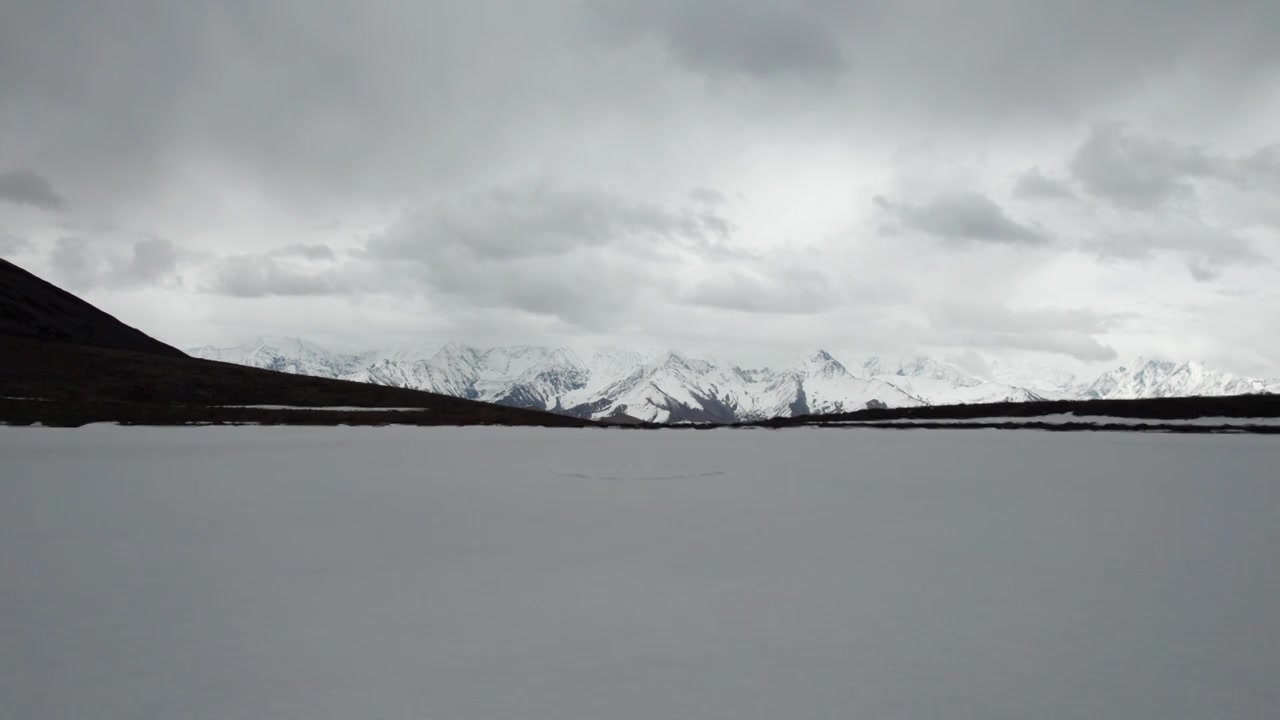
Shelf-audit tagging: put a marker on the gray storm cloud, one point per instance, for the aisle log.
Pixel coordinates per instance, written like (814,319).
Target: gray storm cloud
(25,187)
(152,261)
(755,39)
(12,244)
(1141,172)
(656,170)
(1035,185)
(1069,332)
(964,216)
(246,276)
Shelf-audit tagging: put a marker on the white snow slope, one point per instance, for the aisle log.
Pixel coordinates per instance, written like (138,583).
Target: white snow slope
(525,574)
(674,387)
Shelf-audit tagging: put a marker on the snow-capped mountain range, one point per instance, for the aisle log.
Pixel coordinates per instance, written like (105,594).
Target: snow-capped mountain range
(668,386)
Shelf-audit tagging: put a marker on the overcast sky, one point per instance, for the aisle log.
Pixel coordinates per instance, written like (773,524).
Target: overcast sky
(1073,181)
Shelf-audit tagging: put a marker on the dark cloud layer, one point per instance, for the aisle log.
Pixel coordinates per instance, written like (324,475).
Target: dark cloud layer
(756,288)
(1035,185)
(1141,173)
(148,262)
(25,187)
(1068,332)
(609,165)
(12,244)
(721,37)
(1204,249)
(991,59)
(964,217)
(582,255)
(248,276)
(520,222)
(306,252)
(359,98)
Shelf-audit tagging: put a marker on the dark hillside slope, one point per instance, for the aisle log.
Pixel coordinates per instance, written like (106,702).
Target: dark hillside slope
(34,308)
(64,362)
(61,384)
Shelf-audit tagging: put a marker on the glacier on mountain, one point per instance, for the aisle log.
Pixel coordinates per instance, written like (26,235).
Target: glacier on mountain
(672,387)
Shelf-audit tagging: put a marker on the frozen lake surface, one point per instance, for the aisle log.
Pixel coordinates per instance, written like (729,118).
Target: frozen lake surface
(262,573)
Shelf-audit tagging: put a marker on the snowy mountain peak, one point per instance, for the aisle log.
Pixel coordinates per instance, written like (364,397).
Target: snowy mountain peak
(677,361)
(413,352)
(283,354)
(920,366)
(820,356)
(1166,378)
(1048,382)
(676,387)
(284,346)
(819,362)
(873,366)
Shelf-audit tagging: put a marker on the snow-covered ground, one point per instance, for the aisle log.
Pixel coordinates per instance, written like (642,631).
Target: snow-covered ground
(1073,419)
(500,573)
